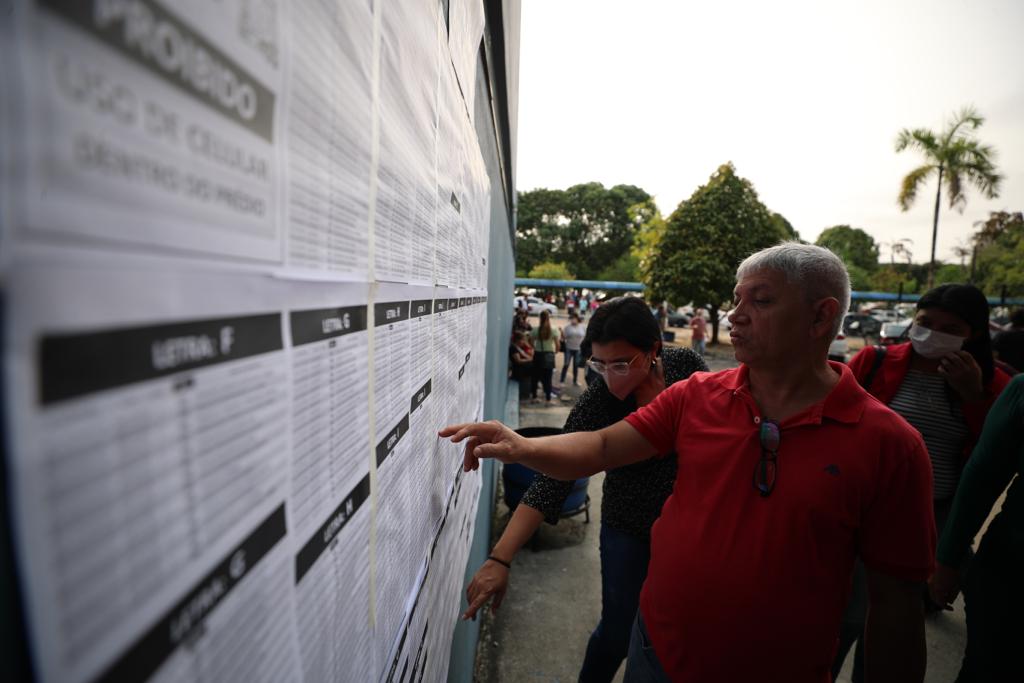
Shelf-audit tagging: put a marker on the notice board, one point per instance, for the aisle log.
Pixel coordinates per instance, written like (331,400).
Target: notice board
(244,262)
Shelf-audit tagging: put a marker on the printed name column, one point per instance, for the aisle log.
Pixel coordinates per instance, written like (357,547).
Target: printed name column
(423,423)
(392,389)
(329,112)
(152,467)
(331,487)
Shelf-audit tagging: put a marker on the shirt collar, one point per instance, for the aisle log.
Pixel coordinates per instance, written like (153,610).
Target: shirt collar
(845,403)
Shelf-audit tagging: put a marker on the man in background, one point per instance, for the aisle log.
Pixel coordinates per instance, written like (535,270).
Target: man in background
(1008,345)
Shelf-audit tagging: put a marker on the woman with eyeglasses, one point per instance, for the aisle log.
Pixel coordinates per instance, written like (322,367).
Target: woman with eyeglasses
(627,354)
(943,381)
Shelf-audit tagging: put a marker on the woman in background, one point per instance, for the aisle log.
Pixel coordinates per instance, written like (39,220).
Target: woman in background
(572,338)
(545,346)
(521,359)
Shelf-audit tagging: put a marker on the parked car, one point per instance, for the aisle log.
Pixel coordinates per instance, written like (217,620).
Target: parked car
(892,333)
(861,325)
(535,306)
(886,315)
(678,318)
(838,349)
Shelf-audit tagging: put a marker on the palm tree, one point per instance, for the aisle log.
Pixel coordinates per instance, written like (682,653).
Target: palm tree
(899,247)
(955,156)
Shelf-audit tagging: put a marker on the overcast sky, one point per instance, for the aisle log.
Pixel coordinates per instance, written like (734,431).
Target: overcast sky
(805,98)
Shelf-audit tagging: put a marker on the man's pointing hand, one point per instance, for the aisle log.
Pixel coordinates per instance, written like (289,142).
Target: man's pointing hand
(486,440)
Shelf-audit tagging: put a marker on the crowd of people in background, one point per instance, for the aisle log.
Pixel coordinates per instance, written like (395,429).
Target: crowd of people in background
(533,350)
(950,381)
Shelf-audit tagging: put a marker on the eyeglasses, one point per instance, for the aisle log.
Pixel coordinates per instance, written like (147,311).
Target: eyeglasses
(768,466)
(618,368)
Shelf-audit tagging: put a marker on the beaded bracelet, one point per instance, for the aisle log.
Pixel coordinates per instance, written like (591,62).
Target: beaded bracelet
(507,564)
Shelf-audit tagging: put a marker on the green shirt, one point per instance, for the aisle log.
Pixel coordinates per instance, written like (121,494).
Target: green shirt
(549,344)
(998,456)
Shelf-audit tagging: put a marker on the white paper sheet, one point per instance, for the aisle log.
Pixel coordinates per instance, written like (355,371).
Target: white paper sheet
(149,471)
(329,110)
(465,31)
(160,124)
(403,372)
(330,479)
(405,219)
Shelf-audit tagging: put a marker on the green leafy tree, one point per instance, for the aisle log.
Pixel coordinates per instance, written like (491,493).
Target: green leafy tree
(538,227)
(586,226)
(999,262)
(704,240)
(626,268)
(785,229)
(860,278)
(946,273)
(888,279)
(646,242)
(853,245)
(551,271)
(956,157)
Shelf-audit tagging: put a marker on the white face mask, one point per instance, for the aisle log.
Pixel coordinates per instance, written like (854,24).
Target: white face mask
(933,344)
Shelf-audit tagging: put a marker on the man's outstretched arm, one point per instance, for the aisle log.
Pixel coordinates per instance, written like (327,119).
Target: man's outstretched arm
(566,456)
(894,638)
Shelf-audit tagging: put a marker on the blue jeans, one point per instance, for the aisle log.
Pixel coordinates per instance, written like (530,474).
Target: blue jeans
(574,356)
(624,561)
(698,346)
(642,665)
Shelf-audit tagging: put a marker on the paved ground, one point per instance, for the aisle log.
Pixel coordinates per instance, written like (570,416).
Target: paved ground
(553,602)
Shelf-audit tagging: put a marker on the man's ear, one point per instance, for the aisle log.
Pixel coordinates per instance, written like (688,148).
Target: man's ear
(825,312)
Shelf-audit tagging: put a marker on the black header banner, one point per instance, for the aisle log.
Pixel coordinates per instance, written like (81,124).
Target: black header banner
(186,618)
(453,304)
(392,312)
(164,45)
(388,443)
(330,529)
(440,305)
(421,308)
(326,323)
(78,364)
(420,396)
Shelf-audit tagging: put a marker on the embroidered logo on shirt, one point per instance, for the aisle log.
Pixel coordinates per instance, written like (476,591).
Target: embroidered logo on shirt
(833,470)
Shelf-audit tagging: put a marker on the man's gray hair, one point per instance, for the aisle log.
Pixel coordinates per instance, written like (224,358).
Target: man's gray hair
(816,270)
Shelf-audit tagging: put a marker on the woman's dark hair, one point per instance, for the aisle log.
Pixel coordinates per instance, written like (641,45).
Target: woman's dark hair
(545,326)
(970,305)
(624,318)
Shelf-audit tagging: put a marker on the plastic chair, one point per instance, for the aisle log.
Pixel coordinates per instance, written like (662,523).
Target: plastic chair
(517,478)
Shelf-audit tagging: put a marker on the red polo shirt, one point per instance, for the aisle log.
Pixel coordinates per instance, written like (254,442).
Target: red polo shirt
(741,587)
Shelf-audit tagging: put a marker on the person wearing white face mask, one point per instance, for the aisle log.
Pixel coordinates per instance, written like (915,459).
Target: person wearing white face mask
(942,381)
(627,354)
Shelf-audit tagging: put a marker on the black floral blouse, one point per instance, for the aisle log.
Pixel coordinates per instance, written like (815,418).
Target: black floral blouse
(632,495)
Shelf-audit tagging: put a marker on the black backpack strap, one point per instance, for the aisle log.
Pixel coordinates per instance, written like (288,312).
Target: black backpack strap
(880,352)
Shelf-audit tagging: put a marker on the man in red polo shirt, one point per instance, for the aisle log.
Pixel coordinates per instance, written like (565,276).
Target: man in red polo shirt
(788,469)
